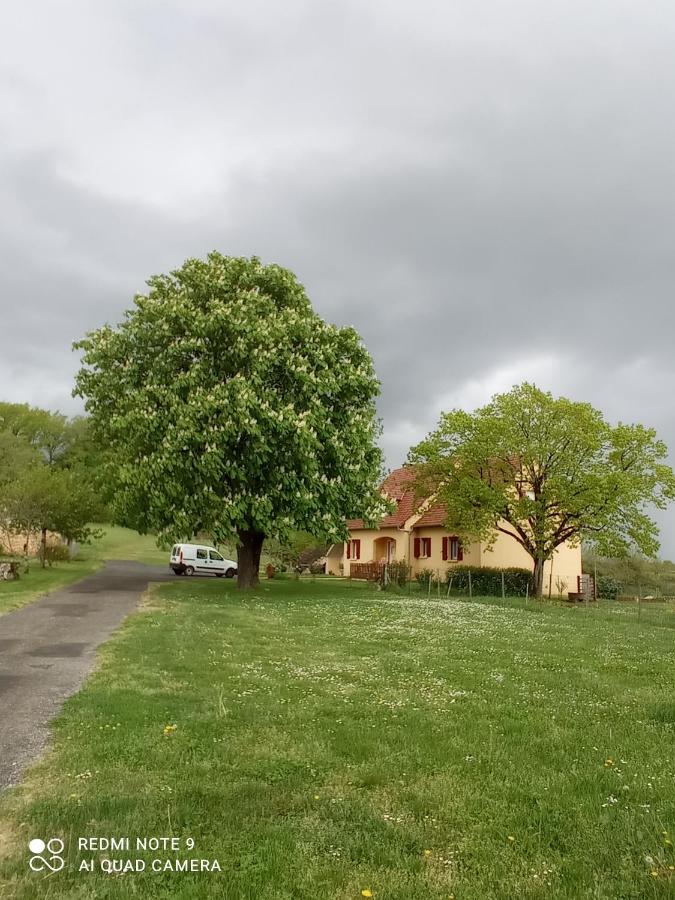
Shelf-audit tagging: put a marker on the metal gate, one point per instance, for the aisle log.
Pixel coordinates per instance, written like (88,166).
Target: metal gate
(586,587)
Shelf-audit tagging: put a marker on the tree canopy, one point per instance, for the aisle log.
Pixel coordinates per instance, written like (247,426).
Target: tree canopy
(48,474)
(229,406)
(547,470)
(46,498)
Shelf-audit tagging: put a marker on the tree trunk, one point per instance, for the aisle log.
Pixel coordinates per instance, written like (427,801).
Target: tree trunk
(44,547)
(248,558)
(538,577)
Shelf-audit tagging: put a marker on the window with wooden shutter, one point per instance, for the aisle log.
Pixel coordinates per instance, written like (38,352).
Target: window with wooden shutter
(445,548)
(349,549)
(357,549)
(460,551)
(423,548)
(455,549)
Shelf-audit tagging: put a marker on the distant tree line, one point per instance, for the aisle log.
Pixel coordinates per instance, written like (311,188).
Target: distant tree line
(49,475)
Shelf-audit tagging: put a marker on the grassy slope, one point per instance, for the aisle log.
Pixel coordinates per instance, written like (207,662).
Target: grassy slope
(122,543)
(332,740)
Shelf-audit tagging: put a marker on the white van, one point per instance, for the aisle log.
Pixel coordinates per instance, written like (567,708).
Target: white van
(198,559)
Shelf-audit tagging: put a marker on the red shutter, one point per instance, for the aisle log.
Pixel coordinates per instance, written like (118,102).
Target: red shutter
(445,548)
(427,547)
(417,548)
(357,549)
(460,551)
(349,549)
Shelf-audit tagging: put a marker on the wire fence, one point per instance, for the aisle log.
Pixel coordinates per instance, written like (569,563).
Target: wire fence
(629,603)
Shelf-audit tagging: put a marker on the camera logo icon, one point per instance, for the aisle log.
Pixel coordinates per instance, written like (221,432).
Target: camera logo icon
(46,855)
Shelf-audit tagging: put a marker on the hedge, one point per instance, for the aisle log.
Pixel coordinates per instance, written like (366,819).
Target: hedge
(608,588)
(485,581)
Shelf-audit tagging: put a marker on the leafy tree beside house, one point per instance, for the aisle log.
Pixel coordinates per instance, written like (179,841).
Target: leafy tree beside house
(547,470)
(229,406)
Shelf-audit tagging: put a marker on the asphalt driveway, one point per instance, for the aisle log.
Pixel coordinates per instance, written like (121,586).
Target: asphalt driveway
(48,648)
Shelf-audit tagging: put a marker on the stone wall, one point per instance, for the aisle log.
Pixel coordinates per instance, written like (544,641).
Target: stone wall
(13,544)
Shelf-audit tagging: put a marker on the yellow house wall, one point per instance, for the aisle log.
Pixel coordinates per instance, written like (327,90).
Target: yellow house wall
(368,538)
(505,553)
(435,562)
(334,559)
(565,565)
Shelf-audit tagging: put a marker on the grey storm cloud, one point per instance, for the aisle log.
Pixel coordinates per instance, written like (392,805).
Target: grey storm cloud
(484,190)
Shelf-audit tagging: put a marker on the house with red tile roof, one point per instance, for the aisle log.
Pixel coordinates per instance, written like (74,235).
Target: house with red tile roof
(415,532)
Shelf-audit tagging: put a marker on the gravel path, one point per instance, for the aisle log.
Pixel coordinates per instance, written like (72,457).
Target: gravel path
(48,648)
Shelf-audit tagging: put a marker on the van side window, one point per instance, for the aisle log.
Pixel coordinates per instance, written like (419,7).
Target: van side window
(175,551)
(201,554)
(214,555)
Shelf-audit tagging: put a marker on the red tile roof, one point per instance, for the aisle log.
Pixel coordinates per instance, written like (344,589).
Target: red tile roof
(435,515)
(398,486)
(398,482)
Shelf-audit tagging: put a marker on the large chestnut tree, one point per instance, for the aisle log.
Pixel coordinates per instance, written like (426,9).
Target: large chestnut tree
(229,406)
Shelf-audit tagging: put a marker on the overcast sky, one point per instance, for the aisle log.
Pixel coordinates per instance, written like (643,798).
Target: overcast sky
(485,189)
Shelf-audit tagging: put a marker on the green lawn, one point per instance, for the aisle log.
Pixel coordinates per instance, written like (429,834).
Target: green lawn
(325,740)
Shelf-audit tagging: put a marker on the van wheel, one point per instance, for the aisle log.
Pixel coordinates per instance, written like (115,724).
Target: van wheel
(230,573)
(189,570)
